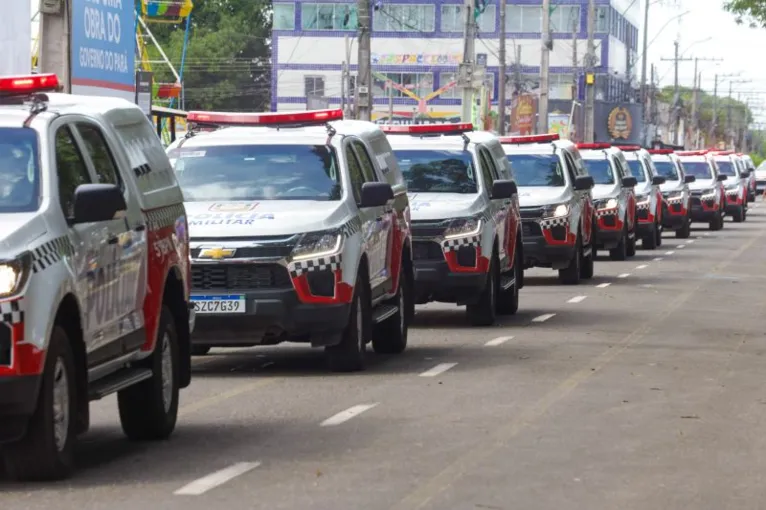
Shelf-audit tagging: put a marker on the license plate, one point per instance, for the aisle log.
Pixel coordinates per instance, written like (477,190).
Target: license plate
(219,304)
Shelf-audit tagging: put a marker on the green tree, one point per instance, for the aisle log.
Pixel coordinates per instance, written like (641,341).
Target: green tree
(752,12)
(228,56)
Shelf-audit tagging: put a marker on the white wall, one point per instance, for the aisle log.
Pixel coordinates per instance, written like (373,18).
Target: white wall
(15,35)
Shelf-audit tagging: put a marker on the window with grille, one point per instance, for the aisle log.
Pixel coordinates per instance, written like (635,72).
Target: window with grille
(565,18)
(284,16)
(404,18)
(420,84)
(314,85)
(329,16)
(453,18)
(524,18)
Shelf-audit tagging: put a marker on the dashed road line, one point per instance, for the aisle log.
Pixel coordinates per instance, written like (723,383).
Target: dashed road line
(680,246)
(603,285)
(438,369)
(657,259)
(498,341)
(346,415)
(690,241)
(577,299)
(669,252)
(213,480)
(623,275)
(544,317)
(642,266)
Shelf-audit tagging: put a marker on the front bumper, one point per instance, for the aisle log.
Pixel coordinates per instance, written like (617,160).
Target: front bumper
(733,203)
(434,281)
(271,316)
(674,214)
(18,401)
(548,243)
(704,211)
(609,229)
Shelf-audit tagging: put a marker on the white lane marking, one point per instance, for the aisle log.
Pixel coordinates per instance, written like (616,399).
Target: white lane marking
(213,480)
(657,259)
(498,341)
(642,266)
(669,252)
(438,369)
(623,275)
(603,285)
(680,246)
(690,241)
(577,299)
(543,318)
(346,415)
(706,234)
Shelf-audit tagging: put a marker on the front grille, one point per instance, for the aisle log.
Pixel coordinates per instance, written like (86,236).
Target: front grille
(643,214)
(531,229)
(531,212)
(677,208)
(256,252)
(429,229)
(695,202)
(239,277)
(427,250)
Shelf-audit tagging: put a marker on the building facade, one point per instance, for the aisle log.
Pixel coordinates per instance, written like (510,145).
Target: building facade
(418,44)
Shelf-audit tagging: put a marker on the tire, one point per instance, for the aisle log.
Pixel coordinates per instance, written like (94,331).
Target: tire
(620,252)
(390,336)
(46,452)
(349,354)
(571,274)
(149,409)
(685,231)
(739,215)
(199,350)
(659,234)
(484,312)
(649,242)
(586,266)
(508,300)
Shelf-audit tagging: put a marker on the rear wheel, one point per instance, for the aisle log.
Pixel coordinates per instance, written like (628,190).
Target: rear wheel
(484,312)
(46,452)
(349,354)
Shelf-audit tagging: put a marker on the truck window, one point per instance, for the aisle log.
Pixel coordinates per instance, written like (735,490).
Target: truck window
(70,168)
(103,161)
(19,170)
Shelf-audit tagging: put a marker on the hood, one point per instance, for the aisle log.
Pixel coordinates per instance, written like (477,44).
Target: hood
(268,217)
(703,184)
(760,173)
(19,229)
(533,196)
(440,206)
(605,191)
(669,186)
(643,188)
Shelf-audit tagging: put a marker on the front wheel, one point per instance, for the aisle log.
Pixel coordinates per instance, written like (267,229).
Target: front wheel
(620,252)
(649,242)
(46,452)
(571,274)
(508,299)
(685,231)
(484,312)
(739,215)
(149,409)
(390,336)
(349,354)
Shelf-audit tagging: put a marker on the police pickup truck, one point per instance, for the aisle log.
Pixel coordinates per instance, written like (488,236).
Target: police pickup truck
(299,226)
(708,200)
(556,204)
(465,218)
(94,294)
(736,184)
(648,195)
(675,192)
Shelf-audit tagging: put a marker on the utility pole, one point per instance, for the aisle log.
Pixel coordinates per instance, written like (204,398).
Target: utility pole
(517,84)
(695,98)
(545,61)
(575,63)
(468,67)
(503,70)
(729,121)
(644,57)
(364,71)
(676,92)
(590,76)
(654,112)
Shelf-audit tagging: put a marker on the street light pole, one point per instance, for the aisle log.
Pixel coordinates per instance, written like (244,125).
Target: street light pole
(503,70)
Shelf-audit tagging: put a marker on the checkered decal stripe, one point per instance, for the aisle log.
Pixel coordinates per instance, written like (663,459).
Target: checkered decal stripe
(732,192)
(674,201)
(351,227)
(51,252)
(11,312)
(606,212)
(455,244)
(548,223)
(163,217)
(642,207)
(331,263)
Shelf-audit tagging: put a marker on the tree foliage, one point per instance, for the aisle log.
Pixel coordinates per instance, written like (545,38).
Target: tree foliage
(228,57)
(752,12)
(741,115)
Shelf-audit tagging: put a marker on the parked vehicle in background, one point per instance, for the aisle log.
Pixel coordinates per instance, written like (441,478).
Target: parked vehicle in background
(735,186)
(648,195)
(760,179)
(751,181)
(676,195)
(708,200)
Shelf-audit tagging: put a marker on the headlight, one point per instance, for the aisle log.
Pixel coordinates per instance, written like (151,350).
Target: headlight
(610,203)
(318,244)
(14,275)
(709,194)
(462,227)
(556,211)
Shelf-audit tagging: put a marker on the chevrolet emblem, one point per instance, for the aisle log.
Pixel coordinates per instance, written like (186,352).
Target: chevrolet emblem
(216,253)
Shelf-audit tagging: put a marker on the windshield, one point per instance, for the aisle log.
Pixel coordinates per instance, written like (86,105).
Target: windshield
(258,172)
(438,171)
(537,169)
(637,170)
(601,170)
(19,170)
(698,169)
(726,168)
(667,169)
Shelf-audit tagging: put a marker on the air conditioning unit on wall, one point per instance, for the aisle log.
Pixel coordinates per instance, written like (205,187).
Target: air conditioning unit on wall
(50,6)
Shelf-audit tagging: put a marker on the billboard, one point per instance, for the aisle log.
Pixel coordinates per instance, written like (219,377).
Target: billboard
(16,38)
(104,48)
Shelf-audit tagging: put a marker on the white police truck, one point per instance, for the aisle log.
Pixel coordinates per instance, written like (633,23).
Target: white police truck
(676,196)
(94,264)
(299,226)
(465,218)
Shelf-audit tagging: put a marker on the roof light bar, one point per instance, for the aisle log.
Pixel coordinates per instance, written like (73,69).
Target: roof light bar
(265,119)
(692,153)
(722,152)
(661,151)
(522,139)
(628,148)
(593,146)
(20,85)
(427,129)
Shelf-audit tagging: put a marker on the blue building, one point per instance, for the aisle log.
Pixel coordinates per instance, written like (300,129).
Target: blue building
(417,46)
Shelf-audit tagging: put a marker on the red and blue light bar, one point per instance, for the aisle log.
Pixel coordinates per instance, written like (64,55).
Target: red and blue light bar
(586,146)
(265,119)
(427,129)
(702,152)
(628,148)
(660,151)
(523,139)
(20,85)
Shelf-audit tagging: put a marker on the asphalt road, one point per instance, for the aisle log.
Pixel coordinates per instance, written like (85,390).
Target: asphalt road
(643,389)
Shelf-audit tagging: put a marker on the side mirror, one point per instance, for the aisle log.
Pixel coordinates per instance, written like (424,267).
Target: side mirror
(688,179)
(746,173)
(629,182)
(503,189)
(657,180)
(97,202)
(722,178)
(376,194)
(584,182)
